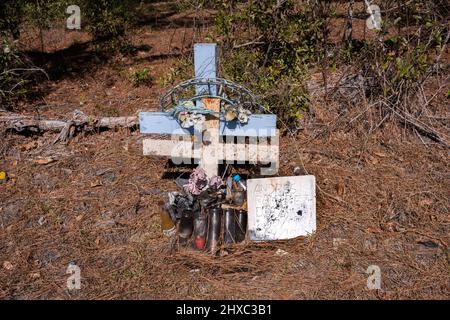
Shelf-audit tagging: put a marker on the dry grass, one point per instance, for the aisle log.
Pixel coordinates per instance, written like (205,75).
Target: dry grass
(382,196)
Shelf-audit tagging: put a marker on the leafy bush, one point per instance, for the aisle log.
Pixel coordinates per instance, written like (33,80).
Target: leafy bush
(106,111)
(11,12)
(140,76)
(104,19)
(16,75)
(268,46)
(8,81)
(396,66)
(108,19)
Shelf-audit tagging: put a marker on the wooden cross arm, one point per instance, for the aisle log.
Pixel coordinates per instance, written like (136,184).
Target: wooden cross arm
(259,125)
(253,153)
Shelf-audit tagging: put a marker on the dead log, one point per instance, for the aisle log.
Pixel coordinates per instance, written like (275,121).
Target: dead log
(66,128)
(23,124)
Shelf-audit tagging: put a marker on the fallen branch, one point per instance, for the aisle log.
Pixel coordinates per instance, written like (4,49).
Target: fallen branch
(256,42)
(421,127)
(66,128)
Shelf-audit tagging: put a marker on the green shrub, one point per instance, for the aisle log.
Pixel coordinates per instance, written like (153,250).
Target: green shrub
(108,19)
(268,46)
(140,76)
(16,75)
(106,111)
(11,13)
(396,67)
(11,86)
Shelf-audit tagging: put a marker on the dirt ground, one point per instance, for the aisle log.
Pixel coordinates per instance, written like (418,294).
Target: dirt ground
(382,198)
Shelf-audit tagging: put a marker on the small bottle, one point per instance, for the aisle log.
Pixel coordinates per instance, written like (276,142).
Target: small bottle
(239,198)
(167,226)
(185,227)
(200,222)
(237,178)
(214,225)
(241,225)
(229,233)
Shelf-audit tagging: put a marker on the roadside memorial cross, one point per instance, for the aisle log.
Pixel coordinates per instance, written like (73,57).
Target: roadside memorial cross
(218,141)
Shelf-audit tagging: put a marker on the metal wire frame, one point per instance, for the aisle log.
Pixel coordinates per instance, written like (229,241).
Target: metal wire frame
(228,91)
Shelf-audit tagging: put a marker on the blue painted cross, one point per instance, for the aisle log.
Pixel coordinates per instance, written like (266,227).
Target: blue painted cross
(243,142)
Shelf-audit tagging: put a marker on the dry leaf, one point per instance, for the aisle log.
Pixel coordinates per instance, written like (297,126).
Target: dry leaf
(380,154)
(8,265)
(340,189)
(281,252)
(30,145)
(96,183)
(373,230)
(425,202)
(44,161)
(370,159)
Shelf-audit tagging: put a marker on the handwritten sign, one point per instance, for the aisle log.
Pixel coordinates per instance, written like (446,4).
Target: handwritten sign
(281,208)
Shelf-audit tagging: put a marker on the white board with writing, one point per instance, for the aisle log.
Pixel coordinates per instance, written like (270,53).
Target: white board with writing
(281,208)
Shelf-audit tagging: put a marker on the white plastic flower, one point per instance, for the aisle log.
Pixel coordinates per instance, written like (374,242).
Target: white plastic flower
(243,115)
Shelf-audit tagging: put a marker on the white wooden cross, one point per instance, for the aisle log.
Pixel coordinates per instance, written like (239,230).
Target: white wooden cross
(255,142)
